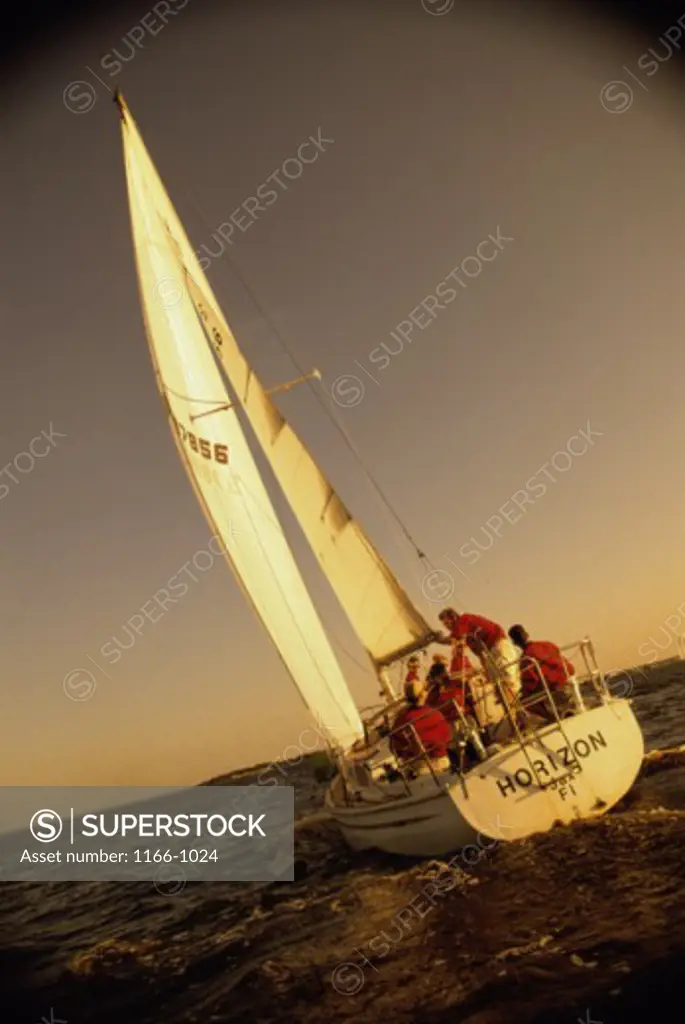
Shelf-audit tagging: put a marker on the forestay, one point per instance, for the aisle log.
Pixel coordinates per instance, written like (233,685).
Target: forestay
(379,610)
(217,456)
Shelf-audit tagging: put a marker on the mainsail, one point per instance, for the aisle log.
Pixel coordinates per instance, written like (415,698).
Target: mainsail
(217,456)
(379,610)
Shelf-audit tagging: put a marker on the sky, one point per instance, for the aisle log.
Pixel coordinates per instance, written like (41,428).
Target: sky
(555,135)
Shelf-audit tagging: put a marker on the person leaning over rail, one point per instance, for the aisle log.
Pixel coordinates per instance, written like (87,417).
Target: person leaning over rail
(489,642)
(417,727)
(542,660)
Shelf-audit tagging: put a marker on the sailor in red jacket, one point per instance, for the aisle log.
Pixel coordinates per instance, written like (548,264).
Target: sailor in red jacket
(444,686)
(540,660)
(442,690)
(423,726)
(488,641)
(446,693)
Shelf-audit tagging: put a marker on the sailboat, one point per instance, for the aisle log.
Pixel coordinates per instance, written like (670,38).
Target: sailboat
(545,773)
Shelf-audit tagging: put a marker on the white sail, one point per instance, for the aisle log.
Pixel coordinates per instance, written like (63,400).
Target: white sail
(380,611)
(218,458)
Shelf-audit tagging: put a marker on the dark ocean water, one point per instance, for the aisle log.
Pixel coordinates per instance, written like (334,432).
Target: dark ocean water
(592,917)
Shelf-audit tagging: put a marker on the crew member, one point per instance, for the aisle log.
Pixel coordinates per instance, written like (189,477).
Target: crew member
(438,661)
(413,666)
(444,687)
(445,693)
(540,660)
(489,642)
(417,727)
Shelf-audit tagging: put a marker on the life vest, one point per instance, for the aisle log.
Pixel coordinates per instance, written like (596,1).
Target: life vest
(551,664)
(431,727)
(445,693)
(477,631)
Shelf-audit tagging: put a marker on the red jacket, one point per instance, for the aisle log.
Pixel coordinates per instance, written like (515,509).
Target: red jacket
(477,632)
(431,727)
(439,695)
(552,664)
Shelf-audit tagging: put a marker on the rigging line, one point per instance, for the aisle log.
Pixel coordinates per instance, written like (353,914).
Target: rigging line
(188,463)
(339,426)
(363,667)
(200,401)
(298,629)
(269,513)
(245,492)
(205,324)
(250,499)
(246,495)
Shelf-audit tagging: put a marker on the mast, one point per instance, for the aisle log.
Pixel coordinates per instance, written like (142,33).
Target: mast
(380,611)
(218,459)
(385,619)
(118,99)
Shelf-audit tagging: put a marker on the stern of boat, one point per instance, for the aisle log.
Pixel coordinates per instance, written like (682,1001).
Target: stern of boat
(576,765)
(577,768)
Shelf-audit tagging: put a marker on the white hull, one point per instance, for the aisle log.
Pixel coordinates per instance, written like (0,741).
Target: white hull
(564,773)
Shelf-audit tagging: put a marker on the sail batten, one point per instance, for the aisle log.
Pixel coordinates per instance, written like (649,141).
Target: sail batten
(217,457)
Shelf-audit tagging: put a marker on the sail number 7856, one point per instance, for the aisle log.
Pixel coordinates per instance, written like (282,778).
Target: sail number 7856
(208,449)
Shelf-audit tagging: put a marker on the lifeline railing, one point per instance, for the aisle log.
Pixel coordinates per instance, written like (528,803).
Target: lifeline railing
(519,714)
(593,675)
(403,767)
(467,731)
